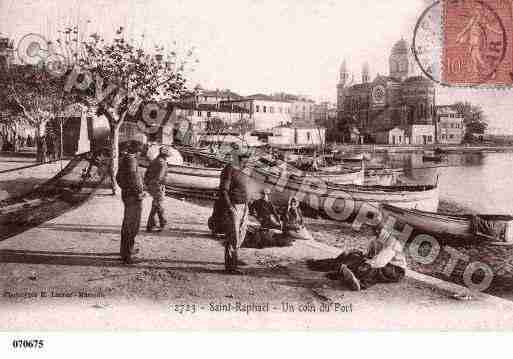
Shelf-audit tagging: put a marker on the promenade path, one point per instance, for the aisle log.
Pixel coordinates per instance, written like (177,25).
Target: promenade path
(19,174)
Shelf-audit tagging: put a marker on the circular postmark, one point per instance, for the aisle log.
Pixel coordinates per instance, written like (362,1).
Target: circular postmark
(462,43)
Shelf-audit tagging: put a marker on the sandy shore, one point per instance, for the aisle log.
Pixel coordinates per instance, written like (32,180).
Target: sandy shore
(74,261)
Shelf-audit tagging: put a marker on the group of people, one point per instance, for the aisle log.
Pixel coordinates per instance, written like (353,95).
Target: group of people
(15,142)
(133,190)
(383,262)
(48,149)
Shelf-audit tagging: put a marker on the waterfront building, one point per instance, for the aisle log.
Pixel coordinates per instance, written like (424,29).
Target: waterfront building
(284,137)
(202,96)
(450,128)
(6,53)
(266,112)
(324,111)
(301,111)
(401,100)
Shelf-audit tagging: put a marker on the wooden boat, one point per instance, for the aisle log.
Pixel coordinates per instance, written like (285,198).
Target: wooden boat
(353,158)
(341,176)
(325,196)
(431,158)
(68,189)
(203,178)
(322,195)
(196,177)
(452,226)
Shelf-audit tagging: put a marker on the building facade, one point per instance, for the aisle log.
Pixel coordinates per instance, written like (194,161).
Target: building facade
(324,111)
(6,53)
(400,100)
(266,112)
(297,137)
(302,112)
(450,128)
(210,97)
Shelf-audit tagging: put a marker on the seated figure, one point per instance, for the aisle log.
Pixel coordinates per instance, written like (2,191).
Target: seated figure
(265,212)
(384,262)
(293,224)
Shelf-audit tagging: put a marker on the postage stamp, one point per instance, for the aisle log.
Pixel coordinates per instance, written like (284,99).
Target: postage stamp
(466,43)
(477,48)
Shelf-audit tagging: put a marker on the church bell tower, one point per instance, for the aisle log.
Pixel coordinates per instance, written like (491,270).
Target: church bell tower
(341,86)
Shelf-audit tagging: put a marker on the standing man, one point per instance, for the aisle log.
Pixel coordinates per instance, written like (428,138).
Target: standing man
(234,192)
(154,179)
(132,193)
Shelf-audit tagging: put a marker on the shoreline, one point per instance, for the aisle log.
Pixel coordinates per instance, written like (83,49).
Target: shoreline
(450,149)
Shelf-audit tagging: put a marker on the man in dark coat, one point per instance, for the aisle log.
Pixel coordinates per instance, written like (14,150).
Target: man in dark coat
(234,192)
(264,210)
(154,179)
(132,193)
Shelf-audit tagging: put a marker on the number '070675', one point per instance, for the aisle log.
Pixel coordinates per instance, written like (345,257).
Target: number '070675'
(28,344)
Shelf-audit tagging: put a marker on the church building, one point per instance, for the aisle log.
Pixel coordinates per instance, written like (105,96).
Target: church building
(394,109)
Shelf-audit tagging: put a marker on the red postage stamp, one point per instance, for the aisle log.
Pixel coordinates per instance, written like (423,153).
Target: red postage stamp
(477,46)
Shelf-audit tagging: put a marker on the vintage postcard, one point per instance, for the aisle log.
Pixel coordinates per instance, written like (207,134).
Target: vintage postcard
(256,164)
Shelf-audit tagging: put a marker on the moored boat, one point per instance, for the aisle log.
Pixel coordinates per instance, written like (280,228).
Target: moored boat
(467,227)
(315,191)
(328,197)
(193,177)
(429,158)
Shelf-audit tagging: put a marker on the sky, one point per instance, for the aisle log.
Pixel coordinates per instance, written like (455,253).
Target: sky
(256,46)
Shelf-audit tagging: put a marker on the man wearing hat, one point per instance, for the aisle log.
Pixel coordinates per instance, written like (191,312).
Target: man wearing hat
(155,181)
(132,193)
(234,192)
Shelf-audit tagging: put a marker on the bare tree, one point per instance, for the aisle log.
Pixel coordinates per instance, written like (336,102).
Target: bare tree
(120,76)
(35,95)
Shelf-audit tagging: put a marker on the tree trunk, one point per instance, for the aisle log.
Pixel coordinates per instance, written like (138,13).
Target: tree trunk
(114,148)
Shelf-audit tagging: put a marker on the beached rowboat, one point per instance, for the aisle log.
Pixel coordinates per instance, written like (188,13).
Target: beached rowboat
(488,228)
(209,178)
(316,192)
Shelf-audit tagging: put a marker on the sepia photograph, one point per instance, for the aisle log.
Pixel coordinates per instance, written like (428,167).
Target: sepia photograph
(255,165)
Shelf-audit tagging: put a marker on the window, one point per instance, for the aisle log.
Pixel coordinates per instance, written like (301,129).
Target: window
(199,113)
(308,136)
(265,109)
(208,114)
(451,136)
(257,108)
(281,109)
(271,109)
(430,138)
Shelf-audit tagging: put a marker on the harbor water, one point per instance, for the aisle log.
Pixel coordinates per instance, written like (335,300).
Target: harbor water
(481,182)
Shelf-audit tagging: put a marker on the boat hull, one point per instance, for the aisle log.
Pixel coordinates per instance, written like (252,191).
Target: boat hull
(444,225)
(209,178)
(331,199)
(193,177)
(324,197)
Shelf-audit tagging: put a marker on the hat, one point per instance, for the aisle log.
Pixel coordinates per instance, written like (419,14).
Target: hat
(164,151)
(266,191)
